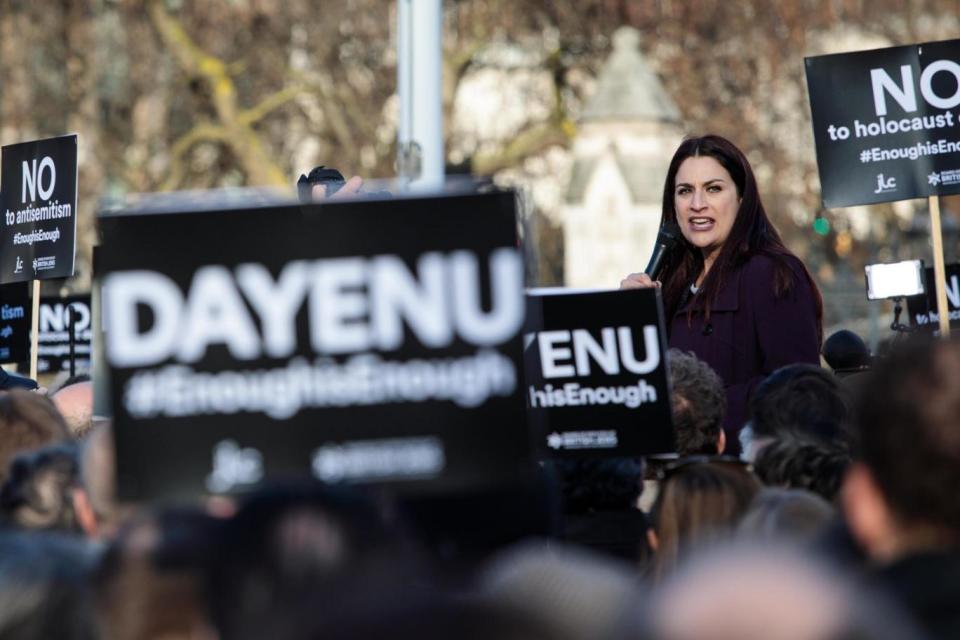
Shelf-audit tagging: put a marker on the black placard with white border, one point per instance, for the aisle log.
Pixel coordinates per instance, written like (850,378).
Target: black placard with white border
(922,309)
(38,209)
(596,380)
(366,341)
(887,123)
(15,317)
(53,352)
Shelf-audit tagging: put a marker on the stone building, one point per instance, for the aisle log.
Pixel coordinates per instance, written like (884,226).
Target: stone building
(629,130)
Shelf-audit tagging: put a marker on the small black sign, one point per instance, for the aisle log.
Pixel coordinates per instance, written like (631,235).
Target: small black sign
(373,341)
(53,351)
(38,199)
(923,308)
(596,377)
(15,321)
(886,123)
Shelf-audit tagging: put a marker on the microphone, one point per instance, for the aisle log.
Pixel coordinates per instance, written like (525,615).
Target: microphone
(667,239)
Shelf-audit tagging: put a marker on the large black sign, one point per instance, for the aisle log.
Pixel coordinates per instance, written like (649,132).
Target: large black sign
(53,351)
(923,308)
(38,199)
(368,341)
(596,377)
(15,318)
(886,123)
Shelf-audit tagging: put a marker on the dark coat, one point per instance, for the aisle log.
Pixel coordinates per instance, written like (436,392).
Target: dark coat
(928,586)
(751,332)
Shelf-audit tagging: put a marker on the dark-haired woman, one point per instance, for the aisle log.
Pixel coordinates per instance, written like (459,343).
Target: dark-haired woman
(732,292)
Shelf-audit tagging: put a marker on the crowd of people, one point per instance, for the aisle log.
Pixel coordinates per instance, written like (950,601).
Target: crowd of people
(839,520)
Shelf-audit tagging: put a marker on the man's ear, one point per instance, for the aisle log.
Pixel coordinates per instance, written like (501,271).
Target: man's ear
(652,539)
(84,512)
(867,514)
(721,442)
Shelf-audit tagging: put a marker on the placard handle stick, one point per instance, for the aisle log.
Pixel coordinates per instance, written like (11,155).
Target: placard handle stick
(35,329)
(939,270)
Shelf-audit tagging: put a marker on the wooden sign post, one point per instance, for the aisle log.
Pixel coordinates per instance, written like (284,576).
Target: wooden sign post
(939,271)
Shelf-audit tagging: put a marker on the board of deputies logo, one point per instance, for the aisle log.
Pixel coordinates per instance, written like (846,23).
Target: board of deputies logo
(950,176)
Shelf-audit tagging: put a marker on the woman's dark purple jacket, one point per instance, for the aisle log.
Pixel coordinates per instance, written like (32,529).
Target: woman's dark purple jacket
(751,332)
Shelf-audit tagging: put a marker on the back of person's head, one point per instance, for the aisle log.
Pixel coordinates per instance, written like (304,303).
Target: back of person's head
(803,399)
(790,514)
(149,582)
(44,587)
(27,421)
(38,493)
(846,351)
(796,462)
(754,592)
(598,484)
(699,504)
(95,498)
(576,593)
(908,436)
(600,511)
(74,401)
(699,403)
(286,542)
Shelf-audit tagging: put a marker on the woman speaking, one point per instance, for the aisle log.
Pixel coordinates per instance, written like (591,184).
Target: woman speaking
(733,294)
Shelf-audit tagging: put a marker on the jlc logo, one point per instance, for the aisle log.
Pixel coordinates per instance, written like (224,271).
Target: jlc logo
(885,185)
(18,268)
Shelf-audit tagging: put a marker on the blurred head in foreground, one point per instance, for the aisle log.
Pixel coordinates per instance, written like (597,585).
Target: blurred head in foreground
(901,496)
(27,421)
(767,594)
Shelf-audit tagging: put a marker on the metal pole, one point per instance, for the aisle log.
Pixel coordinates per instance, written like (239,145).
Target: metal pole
(72,328)
(420,157)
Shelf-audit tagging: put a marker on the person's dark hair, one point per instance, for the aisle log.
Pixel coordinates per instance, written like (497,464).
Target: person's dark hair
(908,431)
(752,234)
(600,506)
(44,587)
(288,543)
(148,582)
(594,484)
(801,399)
(699,403)
(72,380)
(800,463)
(27,421)
(790,514)
(846,351)
(38,491)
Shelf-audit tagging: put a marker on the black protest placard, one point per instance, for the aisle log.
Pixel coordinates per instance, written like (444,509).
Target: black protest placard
(886,123)
(373,341)
(923,308)
(15,318)
(38,199)
(596,377)
(54,349)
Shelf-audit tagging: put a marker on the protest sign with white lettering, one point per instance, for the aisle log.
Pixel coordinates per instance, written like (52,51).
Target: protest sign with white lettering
(366,341)
(922,309)
(15,322)
(38,205)
(54,339)
(887,123)
(596,377)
